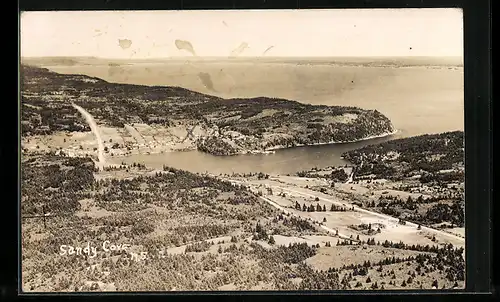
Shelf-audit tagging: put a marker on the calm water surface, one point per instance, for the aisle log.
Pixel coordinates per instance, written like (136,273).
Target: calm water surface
(418,100)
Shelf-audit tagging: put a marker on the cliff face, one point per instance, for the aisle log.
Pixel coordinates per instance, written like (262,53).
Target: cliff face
(237,125)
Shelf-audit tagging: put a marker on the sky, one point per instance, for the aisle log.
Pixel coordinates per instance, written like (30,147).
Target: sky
(283,33)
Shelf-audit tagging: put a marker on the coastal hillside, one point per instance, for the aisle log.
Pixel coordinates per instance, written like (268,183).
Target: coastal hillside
(430,157)
(418,179)
(131,228)
(155,230)
(193,120)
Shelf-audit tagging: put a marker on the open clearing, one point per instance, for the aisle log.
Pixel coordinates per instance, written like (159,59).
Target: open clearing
(298,190)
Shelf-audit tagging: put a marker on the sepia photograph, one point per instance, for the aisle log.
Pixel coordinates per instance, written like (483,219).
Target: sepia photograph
(251,150)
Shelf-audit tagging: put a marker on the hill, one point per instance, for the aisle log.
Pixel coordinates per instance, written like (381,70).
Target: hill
(427,154)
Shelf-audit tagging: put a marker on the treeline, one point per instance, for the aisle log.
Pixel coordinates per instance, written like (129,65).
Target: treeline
(292,254)
(444,212)
(446,259)
(439,212)
(380,170)
(337,175)
(318,208)
(454,176)
(319,280)
(259,175)
(298,223)
(397,245)
(216,146)
(198,247)
(368,228)
(394,201)
(191,180)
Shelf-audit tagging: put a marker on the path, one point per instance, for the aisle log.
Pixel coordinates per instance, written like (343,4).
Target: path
(95,129)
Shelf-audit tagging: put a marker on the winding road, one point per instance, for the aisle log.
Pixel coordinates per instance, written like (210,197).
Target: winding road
(95,129)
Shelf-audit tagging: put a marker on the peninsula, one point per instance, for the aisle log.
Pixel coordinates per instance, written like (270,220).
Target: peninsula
(154,119)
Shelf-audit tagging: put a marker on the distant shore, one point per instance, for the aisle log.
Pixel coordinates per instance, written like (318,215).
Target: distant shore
(274,148)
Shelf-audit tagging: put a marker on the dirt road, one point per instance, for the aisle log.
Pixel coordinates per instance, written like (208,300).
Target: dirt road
(95,129)
(386,219)
(380,215)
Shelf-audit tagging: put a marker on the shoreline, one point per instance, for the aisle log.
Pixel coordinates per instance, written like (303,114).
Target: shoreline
(274,148)
(267,151)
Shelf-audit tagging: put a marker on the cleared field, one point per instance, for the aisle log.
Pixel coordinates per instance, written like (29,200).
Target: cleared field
(337,256)
(341,221)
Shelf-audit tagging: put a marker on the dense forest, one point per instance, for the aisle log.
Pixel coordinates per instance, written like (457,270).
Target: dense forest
(425,211)
(336,174)
(425,154)
(55,182)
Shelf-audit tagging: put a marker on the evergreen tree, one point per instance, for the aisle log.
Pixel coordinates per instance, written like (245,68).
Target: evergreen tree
(435,284)
(258,228)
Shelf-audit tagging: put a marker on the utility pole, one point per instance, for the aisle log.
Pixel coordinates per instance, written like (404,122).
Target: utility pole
(43,216)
